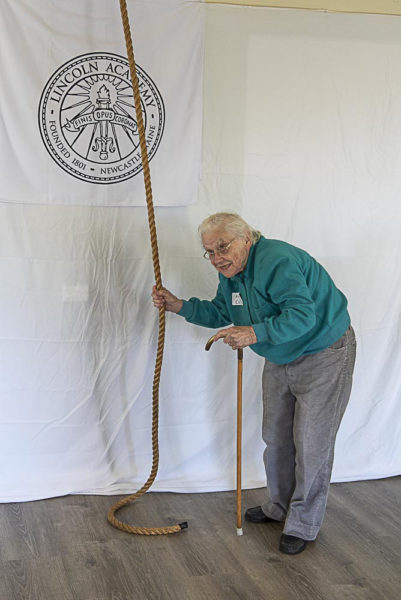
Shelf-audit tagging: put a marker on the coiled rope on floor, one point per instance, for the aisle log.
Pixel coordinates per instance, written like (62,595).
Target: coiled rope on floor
(162,320)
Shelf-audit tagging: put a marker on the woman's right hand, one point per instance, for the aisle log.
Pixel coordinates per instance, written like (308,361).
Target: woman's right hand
(165,298)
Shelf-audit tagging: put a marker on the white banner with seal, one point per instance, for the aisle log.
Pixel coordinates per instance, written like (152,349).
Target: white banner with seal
(69,127)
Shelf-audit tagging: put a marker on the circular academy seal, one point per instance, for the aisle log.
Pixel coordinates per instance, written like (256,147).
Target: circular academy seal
(87,118)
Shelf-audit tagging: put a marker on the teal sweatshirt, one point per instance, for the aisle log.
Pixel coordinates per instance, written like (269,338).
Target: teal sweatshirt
(286,295)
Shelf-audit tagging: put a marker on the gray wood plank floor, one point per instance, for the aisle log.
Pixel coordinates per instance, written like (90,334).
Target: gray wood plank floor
(64,549)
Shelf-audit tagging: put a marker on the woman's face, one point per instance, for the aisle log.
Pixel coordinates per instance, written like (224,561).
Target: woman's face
(227,254)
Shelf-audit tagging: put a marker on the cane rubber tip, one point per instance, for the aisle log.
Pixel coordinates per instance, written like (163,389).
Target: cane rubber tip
(184,525)
(239,531)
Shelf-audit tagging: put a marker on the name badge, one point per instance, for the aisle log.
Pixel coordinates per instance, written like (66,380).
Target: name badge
(236,299)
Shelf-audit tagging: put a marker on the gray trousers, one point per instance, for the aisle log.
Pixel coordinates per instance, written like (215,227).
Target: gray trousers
(303,404)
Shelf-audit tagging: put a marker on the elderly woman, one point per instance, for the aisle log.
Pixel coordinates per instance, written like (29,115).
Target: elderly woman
(284,305)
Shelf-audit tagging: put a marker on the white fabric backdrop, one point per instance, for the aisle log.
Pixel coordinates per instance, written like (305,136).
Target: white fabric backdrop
(302,130)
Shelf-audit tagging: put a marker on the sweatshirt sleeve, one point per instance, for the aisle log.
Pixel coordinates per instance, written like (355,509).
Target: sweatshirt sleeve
(207,313)
(286,287)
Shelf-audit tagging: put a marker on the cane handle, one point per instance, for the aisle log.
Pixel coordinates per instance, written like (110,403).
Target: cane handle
(209,343)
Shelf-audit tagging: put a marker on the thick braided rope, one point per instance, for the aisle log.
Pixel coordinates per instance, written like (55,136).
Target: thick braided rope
(160,342)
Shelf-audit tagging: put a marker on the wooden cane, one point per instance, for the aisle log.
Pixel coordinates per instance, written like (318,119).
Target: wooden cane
(239,440)
(239,432)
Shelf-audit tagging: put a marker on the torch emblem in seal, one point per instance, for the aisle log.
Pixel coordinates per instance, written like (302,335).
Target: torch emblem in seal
(103,114)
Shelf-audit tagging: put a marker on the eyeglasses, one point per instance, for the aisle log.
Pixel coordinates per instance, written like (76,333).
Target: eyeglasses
(220,250)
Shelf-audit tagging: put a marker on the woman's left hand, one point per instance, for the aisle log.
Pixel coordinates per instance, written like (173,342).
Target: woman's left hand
(237,337)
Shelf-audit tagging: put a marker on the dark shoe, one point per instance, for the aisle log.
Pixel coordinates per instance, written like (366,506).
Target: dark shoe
(290,544)
(256,515)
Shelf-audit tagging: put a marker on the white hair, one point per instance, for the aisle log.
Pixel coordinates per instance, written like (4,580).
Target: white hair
(231,223)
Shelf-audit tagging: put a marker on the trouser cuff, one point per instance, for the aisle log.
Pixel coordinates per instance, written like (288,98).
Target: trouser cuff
(306,532)
(273,512)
